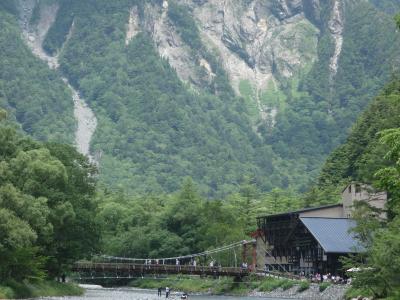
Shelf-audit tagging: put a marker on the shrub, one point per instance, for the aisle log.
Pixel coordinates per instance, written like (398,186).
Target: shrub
(304,285)
(323,286)
(287,285)
(270,284)
(6,293)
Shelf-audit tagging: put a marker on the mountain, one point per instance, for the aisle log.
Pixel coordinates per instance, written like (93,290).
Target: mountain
(220,91)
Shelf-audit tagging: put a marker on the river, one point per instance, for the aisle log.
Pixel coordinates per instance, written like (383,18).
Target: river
(140,294)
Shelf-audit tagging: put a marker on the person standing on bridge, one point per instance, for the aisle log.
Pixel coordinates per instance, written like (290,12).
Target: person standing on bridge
(166,292)
(159,292)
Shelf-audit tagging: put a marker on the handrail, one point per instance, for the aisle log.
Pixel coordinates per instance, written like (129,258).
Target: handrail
(81,266)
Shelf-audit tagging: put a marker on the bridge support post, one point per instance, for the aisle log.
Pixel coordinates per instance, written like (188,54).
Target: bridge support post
(254,257)
(244,253)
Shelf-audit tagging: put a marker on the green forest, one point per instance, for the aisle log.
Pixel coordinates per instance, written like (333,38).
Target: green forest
(47,207)
(53,213)
(154,130)
(183,169)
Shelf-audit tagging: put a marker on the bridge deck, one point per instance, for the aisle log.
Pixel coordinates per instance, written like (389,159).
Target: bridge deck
(131,269)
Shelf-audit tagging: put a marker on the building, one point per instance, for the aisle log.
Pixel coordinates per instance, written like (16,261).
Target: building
(312,240)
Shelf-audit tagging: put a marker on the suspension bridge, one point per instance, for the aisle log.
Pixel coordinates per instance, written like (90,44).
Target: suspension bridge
(222,261)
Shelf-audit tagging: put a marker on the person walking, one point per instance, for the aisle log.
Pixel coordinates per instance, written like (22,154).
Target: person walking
(159,292)
(166,292)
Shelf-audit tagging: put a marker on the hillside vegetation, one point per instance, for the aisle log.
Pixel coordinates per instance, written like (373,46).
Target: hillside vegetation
(371,154)
(155,129)
(361,156)
(320,111)
(34,95)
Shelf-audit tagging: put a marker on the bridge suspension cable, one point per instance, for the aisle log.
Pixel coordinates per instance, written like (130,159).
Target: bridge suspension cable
(200,254)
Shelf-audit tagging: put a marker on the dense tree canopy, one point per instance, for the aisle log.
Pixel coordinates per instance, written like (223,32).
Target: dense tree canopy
(47,207)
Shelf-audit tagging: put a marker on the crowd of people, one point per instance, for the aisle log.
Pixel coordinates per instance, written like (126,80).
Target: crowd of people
(167,290)
(319,278)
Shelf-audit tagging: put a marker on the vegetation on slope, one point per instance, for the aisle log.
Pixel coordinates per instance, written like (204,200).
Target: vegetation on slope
(361,156)
(58,33)
(313,122)
(154,130)
(35,96)
(317,119)
(372,154)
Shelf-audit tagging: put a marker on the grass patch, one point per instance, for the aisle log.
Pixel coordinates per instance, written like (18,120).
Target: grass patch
(187,284)
(273,96)
(221,286)
(287,285)
(248,93)
(323,286)
(269,284)
(238,290)
(12,289)
(304,285)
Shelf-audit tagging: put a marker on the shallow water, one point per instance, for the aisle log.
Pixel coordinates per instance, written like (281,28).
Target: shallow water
(139,294)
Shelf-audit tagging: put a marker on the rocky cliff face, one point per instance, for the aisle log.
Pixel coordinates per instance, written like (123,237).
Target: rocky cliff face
(261,43)
(304,69)
(257,40)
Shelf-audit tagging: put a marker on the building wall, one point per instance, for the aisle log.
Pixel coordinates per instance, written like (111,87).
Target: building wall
(362,192)
(330,212)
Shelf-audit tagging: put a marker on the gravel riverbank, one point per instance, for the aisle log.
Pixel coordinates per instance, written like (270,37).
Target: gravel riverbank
(333,292)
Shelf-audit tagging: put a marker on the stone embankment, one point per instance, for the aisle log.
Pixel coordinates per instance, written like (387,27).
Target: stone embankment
(333,292)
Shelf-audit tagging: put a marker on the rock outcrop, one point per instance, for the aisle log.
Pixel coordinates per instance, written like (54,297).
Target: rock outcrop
(336,29)
(256,41)
(133,25)
(168,41)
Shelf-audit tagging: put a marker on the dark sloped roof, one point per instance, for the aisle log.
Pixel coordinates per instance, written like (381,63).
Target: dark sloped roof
(333,234)
(302,210)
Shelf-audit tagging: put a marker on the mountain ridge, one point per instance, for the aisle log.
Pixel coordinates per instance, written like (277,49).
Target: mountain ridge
(154,130)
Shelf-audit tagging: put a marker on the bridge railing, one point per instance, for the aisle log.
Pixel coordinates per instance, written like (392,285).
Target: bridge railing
(158,268)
